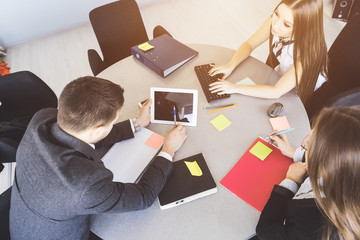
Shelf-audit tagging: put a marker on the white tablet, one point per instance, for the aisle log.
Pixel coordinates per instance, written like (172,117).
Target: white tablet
(171,103)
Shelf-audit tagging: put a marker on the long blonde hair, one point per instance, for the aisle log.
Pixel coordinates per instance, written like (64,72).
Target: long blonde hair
(309,44)
(334,170)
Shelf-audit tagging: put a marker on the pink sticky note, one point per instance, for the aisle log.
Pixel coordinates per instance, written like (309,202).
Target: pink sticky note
(280,123)
(154,141)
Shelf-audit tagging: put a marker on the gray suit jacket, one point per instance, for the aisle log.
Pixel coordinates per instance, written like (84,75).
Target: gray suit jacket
(60,182)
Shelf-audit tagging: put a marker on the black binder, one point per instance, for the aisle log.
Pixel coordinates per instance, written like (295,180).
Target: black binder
(182,187)
(167,55)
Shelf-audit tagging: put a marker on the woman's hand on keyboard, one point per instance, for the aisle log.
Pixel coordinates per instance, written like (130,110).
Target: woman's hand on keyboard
(226,70)
(222,87)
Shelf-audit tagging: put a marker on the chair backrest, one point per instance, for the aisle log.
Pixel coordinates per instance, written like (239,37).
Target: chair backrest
(11,134)
(22,94)
(118,26)
(344,57)
(343,67)
(5,198)
(346,99)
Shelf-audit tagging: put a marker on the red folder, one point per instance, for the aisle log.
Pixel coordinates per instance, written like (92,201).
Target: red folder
(252,180)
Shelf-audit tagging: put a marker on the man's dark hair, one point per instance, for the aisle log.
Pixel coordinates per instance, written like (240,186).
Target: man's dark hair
(88,102)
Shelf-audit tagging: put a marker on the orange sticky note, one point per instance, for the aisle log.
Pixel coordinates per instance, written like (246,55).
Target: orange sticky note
(154,141)
(280,123)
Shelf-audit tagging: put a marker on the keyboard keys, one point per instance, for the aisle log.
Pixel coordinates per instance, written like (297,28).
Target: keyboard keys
(205,79)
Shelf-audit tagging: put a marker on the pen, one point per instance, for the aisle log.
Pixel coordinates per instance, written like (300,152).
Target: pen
(174,116)
(230,106)
(282,132)
(214,107)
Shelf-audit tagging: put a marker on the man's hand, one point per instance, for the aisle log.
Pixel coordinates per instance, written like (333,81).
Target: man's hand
(297,172)
(174,140)
(144,116)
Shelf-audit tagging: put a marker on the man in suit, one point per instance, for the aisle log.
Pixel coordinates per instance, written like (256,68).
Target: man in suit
(60,179)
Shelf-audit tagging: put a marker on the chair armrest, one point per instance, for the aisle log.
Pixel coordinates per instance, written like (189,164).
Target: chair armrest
(159,30)
(8,149)
(95,61)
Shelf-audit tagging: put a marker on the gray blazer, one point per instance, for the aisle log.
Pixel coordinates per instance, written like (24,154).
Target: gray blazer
(59,182)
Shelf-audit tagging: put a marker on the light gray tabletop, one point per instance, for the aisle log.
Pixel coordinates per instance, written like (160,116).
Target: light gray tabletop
(222,215)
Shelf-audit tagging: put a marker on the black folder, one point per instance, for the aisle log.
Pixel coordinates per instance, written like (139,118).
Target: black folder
(167,55)
(182,187)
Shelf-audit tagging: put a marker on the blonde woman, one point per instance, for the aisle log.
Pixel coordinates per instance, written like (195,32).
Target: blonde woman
(297,51)
(329,206)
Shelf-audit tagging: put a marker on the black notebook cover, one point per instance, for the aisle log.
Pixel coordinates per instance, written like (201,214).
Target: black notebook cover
(182,187)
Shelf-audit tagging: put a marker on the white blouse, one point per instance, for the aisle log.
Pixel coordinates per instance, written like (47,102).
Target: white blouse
(286,61)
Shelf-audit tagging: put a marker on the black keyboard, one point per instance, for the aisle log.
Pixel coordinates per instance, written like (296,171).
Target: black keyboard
(205,79)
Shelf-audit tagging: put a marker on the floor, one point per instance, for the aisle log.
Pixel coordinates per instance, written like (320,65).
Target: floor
(62,57)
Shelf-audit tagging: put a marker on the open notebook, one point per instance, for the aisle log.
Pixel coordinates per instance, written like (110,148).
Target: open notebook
(129,158)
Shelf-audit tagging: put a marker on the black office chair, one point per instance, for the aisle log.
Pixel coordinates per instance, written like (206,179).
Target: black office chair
(346,99)
(11,134)
(118,26)
(22,94)
(343,67)
(4,214)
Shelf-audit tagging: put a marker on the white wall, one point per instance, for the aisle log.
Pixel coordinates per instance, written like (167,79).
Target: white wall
(24,20)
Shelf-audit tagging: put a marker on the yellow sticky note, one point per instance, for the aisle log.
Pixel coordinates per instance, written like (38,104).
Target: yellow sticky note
(194,168)
(220,122)
(260,150)
(145,46)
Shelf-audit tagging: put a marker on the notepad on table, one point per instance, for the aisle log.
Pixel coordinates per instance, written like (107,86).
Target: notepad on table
(260,150)
(252,179)
(220,122)
(246,81)
(280,123)
(129,158)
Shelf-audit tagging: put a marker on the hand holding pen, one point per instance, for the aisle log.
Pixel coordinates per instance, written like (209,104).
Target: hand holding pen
(174,116)
(280,140)
(279,133)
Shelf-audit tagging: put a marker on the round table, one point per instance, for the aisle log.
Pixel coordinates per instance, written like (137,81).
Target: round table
(221,215)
